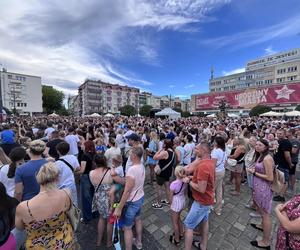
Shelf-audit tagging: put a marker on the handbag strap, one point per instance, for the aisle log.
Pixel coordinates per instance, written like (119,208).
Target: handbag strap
(101,180)
(222,160)
(179,189)
(165,167)
(67,163)
(71,201)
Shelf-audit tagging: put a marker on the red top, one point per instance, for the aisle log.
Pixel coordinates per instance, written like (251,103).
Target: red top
(205,171)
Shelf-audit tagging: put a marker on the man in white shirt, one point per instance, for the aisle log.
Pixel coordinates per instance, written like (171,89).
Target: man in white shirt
(134,141)
(188,150)
(67,165)
(73,141)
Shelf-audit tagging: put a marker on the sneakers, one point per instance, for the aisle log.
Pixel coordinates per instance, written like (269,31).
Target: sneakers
(255,215)
(157,206)
(279,198)
(137,245)
(165,202)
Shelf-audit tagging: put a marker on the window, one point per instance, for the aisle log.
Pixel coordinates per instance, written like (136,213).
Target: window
(291,78)
(280,71)
(282,79)
(25,104)
(9,76)
(292,69)
(268,81)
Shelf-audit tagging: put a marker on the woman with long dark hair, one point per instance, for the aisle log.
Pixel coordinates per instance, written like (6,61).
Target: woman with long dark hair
(262,193)
(219,154)
(7,172)
(86,166)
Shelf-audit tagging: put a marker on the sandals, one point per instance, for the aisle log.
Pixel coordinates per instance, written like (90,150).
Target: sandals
(138,246)
(197,244)
(157,206)
(180,236)
(173,241)
(256,227)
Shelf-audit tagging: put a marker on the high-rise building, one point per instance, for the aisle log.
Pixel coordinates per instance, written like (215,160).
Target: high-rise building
(22,93)
(102,97)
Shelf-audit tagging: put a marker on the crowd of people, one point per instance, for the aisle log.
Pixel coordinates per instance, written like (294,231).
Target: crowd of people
(49,166)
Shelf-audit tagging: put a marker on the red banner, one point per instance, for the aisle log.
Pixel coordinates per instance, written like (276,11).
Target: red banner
(247,98)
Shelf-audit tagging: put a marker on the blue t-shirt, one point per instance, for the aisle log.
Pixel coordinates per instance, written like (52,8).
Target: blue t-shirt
(26,174)
(8,137)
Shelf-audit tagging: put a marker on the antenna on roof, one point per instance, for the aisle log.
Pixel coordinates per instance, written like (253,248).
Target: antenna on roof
(212,70)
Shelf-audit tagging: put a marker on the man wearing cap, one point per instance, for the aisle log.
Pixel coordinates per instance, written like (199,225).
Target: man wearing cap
(134,141)
(26,184)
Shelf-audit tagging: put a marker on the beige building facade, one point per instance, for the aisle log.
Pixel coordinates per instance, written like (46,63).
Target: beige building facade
(102,97)
(275,69)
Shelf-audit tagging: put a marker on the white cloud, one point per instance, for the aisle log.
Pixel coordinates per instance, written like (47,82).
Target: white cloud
(269,50)
(189,86)
(286,28)
(68,41)
(234,71)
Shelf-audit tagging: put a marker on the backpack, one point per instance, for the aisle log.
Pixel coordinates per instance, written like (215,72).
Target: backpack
(278,180)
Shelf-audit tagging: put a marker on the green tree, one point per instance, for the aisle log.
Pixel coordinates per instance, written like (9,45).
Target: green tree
(259,109)
(185,114)
(298,107)
(179,110)
(145,110)
(128,110)
(52,99)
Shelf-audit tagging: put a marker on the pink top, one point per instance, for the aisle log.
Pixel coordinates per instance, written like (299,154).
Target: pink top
(137,172)
(176,185)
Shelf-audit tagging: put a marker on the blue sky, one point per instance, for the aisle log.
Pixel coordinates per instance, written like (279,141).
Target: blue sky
(166,47)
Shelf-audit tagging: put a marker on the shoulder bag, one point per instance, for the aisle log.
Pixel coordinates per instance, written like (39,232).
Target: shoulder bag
(157,168)
(73,213)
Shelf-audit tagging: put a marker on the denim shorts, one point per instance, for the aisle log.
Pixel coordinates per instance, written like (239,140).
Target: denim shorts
(132,210)
(196,215)
(286,174)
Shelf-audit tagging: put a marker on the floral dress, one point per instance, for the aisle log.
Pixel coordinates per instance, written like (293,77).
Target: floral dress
(54,233)
(101,200)
(293,213)
(262,193)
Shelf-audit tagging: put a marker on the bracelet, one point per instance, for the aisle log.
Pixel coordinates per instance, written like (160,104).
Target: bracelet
(254,174)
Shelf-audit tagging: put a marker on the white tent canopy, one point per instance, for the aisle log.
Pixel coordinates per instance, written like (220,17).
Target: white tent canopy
(170,113)
(232,115)
(94,115)
(53,115)
(271,113)
(109,115)
(212,115)
(293,113)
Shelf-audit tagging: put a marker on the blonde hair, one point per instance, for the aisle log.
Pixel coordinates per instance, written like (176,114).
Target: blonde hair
(179,171)
(153,136)
(118,159)
(37,147)
(48,175)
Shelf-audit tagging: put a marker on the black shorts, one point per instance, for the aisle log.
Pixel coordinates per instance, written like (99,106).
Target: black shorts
(161,180)
(293,169)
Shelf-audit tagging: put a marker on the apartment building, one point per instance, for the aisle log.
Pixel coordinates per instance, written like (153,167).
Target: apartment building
(101,97)
(283,67)
(21,92)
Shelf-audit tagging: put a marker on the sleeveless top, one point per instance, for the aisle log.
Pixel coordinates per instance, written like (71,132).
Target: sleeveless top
(240,158)
(52,233)
(163,162)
